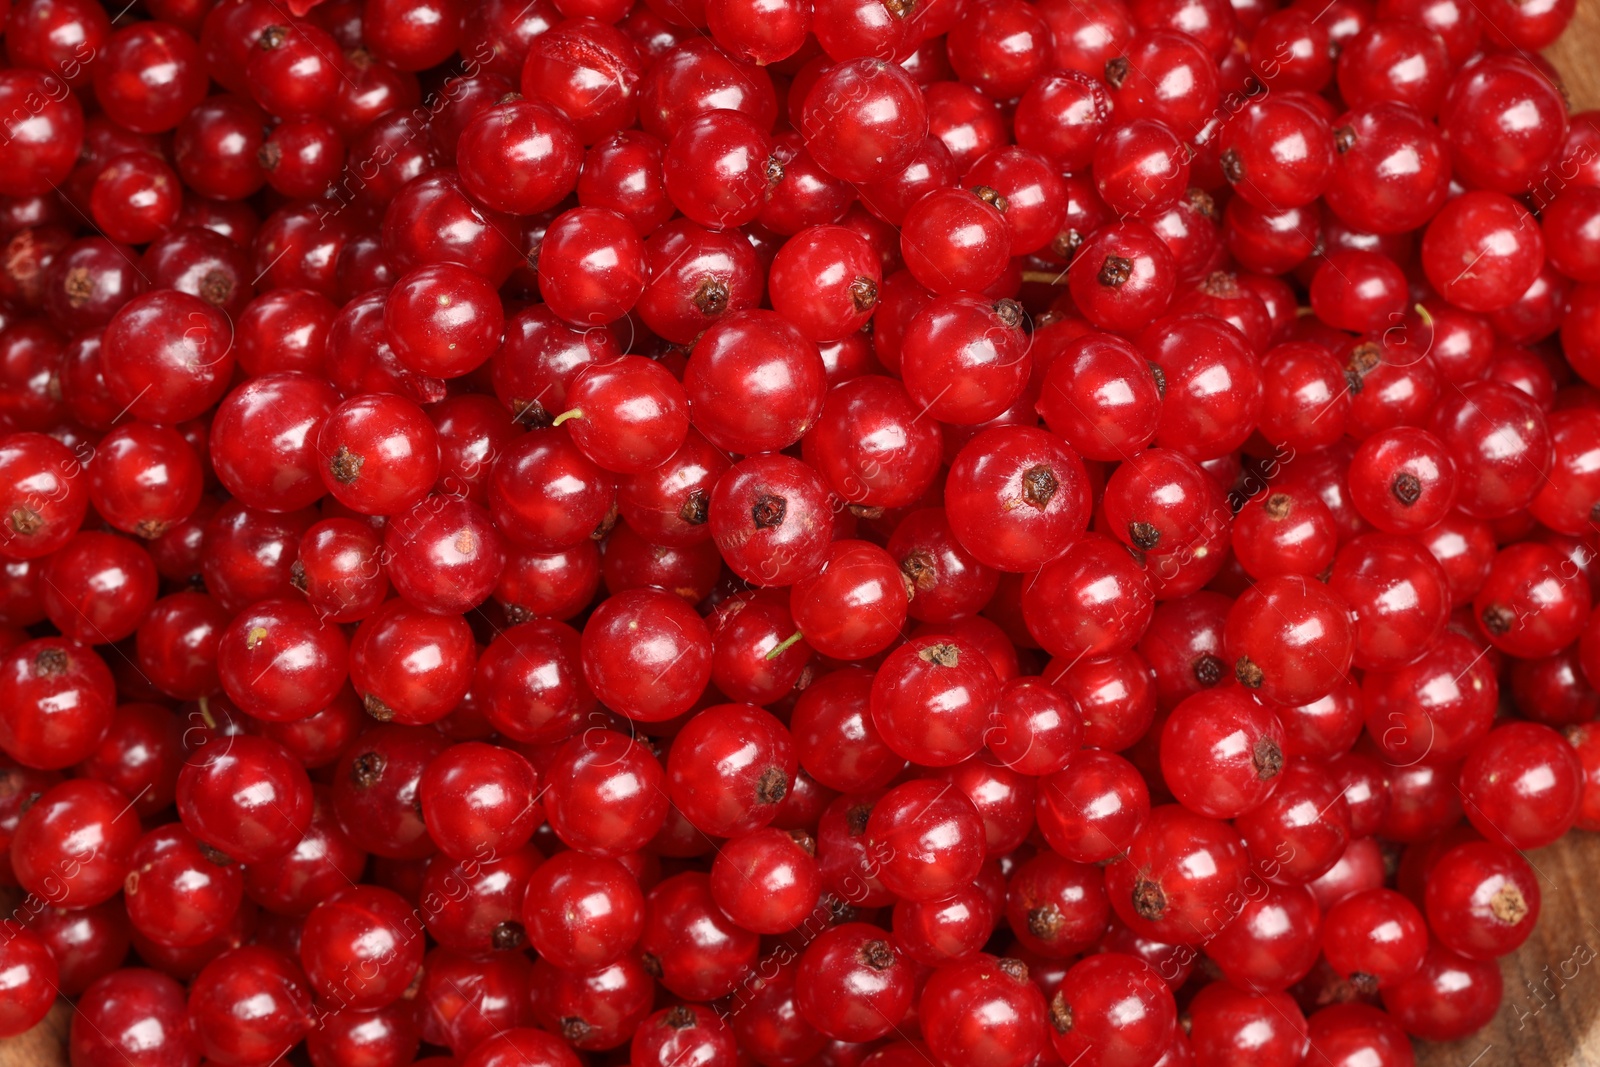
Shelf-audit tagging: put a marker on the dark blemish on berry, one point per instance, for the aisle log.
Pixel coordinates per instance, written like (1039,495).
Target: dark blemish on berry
(1144,535)
(679,1017)
(855,820)
(1117,71)
(1344,139)
(1498,620)
(1407,488)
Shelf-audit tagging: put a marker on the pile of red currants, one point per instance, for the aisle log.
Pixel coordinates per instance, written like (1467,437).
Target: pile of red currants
(789,533)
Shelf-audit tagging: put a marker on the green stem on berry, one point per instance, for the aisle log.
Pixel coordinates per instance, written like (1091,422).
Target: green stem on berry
(570,413)
(785,645)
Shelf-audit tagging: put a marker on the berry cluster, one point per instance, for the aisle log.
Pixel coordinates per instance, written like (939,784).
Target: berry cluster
(789,533)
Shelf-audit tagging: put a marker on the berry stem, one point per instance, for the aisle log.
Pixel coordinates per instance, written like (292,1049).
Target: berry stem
(785,645)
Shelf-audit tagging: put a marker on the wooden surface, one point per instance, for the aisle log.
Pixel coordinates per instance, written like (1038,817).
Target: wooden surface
(1546,1019)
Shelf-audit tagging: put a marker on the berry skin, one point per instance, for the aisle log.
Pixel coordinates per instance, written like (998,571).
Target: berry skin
(852,984)
(1113,1010)
(984,1012)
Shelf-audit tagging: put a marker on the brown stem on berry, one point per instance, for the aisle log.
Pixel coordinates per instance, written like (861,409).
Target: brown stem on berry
(345,465)
(574,1029)
(864,293)
(1508,905)
(1117,71)
(507,935)
(991,197)
(1160,376)
(1115,272)
(1149,902)
(805,841)
(920,570)
(769,510)
(1407,488)
(1364,359)
(1202,203)
(1498,619)
(941,655)
(1060,1013)
(1208,669)
(25,521)
(1278,505)
(377,708)
(1247,673)
(1012,968)
(1045,277)
(1045,921)
(877,955)
(50,663)
(855,819)
(1010,313)
(217,856)
(679,1018)
(1039,486)
(530,413)
(1144,535)
(696,508)
(772,786)
(1268,758)
(1344,139)
(1232,166)
(710,296)
(366,769)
